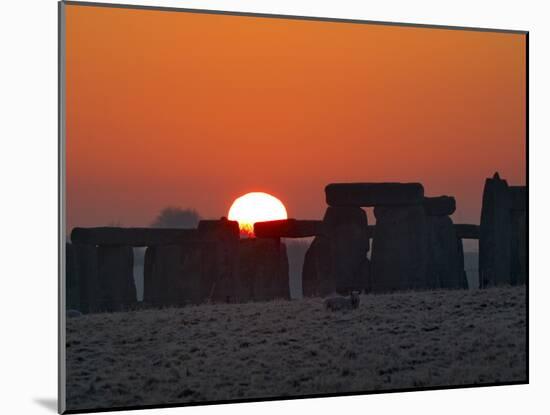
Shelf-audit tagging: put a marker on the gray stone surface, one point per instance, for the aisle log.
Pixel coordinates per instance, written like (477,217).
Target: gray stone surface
(132,236)
(222,229)
(334,262)
(374,194)
(462,260)
(446,260)
(317,278)
(263,273)
(177,275)
(288,228)
(400,253)
(148,269)
(86,266)
(116,278)
(495,234)
(519,247)
(467,231)
(72,283)
(439,206)
(370,231)
(518,197)
(223,236)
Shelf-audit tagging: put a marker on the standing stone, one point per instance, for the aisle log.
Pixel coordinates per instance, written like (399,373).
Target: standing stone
(495,234)
(335,262)
(366,275)
(148,267)
(86,265)
(317,278)
(180,274)
(518,247)
(522,242)
(400,253)
(446,269)
(116,277)
(349,242)
(72,284)
(223,236)
(263,270)
(461,261)
(518,198)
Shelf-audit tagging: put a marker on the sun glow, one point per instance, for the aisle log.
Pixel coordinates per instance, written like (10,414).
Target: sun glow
(255,207)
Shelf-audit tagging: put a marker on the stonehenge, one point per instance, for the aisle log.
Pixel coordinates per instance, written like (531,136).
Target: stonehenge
(335,261)
(85,268)
(466,231)
(439,206)
(288,228)
(181,266)
(263,270)
(446,263)
(223,235)
(374,194)
(400,257)
(131,236)
(180,274)
(400,249)
(502,234)
(413,245)
(115,269)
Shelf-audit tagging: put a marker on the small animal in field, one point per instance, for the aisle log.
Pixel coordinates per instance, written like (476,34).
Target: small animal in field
(343,303)
(73,313)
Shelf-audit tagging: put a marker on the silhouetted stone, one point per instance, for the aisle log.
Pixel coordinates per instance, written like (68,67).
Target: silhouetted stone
(116,277)
(370,231)
(518,197)
(288,228)
(346,228)
(317,278)
(263,271)
(446,264)
(519,247)
(132,236)
(461,261)
(180,274)
(148,268)
(374,194)
(365,273)
(400,255)
(466,231)
(224,236)
(495,234)
(72,283)
(221,229)
(86,265)
(333,262)
(439,206)
(522,245)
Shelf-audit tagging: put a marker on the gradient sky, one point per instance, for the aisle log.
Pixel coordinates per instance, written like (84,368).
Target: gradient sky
(194,110)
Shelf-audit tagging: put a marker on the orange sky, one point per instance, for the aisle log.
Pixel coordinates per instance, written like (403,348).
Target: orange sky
(193,110)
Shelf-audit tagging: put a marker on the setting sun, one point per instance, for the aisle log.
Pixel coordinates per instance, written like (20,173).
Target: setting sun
(255,207)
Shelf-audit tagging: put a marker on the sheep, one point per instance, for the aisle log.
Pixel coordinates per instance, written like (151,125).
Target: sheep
(343,303)
(73,313)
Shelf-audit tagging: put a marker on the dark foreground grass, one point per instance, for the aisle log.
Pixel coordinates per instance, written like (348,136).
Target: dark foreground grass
(290,348)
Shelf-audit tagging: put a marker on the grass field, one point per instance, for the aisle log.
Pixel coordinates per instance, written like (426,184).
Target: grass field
(287,348)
